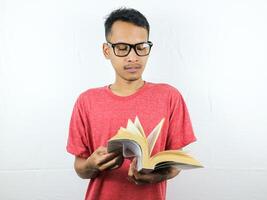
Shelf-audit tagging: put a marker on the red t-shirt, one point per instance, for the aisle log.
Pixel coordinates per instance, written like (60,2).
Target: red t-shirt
(98,114)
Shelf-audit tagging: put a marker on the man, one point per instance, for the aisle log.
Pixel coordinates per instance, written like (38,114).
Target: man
(100,112)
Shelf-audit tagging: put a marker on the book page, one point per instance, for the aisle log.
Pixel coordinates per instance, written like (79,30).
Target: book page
(131,149)
(113,146)
(132,128)
(153,136)
(139,126)
(175,164)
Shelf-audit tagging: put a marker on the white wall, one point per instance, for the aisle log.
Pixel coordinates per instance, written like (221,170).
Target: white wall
(213,51)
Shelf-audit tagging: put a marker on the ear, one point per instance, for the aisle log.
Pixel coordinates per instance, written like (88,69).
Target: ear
(106,50)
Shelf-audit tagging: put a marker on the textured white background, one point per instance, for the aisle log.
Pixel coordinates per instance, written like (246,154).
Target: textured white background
(214,52)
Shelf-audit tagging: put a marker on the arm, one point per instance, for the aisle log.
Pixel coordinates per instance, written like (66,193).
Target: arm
(97,162)
(153,177)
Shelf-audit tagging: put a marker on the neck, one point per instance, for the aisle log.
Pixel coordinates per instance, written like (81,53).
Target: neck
(126,87)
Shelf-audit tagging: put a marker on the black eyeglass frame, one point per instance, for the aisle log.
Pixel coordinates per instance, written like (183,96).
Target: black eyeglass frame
(131,46)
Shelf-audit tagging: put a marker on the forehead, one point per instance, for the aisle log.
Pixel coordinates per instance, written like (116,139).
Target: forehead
(128,33)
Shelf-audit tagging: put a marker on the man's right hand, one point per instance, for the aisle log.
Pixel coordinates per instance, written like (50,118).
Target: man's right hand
(97,162)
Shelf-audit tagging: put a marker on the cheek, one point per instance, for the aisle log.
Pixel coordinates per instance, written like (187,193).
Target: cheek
(144,60)
(117,63)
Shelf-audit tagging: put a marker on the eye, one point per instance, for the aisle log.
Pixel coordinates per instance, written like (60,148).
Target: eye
(122,47)
(143,46)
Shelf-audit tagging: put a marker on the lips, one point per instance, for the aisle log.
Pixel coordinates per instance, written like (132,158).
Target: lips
(132,68)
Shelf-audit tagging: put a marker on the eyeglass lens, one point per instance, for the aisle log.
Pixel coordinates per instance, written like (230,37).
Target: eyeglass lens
(124,49)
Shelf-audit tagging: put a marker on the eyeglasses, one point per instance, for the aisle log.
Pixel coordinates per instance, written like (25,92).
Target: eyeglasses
(123,49)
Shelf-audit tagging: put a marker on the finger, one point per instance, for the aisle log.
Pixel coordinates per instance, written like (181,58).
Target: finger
(101,150)
(140,182)
(132,173)
(136,182)
(134,162)
(131,168)
(130,179)
(134,170)
(107,157)
(110,163)
(117,151)
(119,163)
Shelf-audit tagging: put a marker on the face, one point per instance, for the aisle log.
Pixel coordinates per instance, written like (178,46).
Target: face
(130,67)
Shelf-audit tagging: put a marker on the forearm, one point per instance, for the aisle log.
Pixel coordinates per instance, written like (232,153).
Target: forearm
(84,171)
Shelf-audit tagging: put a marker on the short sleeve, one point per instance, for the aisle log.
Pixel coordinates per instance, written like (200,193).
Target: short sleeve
(78,131)
(180,132)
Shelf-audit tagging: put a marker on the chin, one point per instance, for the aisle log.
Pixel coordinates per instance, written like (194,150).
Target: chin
(132,78)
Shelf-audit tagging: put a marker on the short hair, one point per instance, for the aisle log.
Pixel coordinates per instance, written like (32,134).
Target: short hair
(126,15)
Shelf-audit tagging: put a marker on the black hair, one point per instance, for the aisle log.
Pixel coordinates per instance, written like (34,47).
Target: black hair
(127,15)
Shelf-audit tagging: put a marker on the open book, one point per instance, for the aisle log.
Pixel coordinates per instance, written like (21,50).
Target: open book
(134,143)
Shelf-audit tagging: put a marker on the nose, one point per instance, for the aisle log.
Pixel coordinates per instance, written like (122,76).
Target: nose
(132,56)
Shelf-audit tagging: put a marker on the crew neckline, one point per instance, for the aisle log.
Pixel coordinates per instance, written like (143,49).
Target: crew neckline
(139,91)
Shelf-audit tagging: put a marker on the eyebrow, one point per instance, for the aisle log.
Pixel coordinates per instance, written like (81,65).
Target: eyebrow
(128,43)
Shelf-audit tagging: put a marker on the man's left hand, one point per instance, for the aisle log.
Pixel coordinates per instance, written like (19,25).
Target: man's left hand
(155,176)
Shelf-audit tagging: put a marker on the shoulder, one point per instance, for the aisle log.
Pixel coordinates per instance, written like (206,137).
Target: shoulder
(166,88)
(91,93)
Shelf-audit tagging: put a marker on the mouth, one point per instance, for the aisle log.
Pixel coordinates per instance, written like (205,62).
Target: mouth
(132,68)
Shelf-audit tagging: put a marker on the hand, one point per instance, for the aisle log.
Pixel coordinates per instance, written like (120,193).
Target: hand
(97,162)
(156,176)
(101,160)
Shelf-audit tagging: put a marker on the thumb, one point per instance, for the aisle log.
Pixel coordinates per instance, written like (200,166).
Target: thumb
(132,167)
